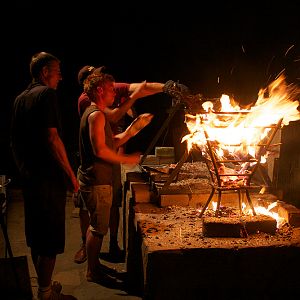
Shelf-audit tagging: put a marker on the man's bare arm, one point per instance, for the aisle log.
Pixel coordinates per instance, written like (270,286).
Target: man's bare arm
(59,152)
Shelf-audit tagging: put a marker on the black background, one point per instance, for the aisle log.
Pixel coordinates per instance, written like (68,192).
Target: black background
(214,48)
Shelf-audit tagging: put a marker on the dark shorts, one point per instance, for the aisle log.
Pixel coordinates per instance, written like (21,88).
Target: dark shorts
(44,203)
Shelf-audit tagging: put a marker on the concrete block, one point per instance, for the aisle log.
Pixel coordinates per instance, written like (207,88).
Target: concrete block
(136,177)
(198,200)
(290,213)
(261,223)
(159,177)
(151,160)
(169,200)
(166,160)
(141,192)
(164,151)
(221,227)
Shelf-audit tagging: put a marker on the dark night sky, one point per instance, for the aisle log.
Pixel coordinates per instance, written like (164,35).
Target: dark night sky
(242,44)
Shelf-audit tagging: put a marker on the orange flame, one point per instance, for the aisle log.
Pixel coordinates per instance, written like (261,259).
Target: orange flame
(236,139)
(260,210)
(239,131)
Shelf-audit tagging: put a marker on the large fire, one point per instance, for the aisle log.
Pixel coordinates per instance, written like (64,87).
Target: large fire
(238,131)
(235,140)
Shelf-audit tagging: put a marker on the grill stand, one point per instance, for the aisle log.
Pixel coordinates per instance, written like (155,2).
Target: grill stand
(213,162)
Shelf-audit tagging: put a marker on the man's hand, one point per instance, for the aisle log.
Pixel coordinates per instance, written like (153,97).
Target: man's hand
(173,88)
(139,123)
(132,159)
(140,91)
(74,183)
(182,94)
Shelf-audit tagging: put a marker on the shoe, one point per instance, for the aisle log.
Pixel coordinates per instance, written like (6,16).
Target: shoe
(108,270)
(56,286)
(103,279)
(113,272)
(54,296)
(116,255)
(80,256)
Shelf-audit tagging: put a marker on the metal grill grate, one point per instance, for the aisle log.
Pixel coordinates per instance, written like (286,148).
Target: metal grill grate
(244,168)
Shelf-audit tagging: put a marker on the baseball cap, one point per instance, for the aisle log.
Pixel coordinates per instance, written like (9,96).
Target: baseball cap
(87,70)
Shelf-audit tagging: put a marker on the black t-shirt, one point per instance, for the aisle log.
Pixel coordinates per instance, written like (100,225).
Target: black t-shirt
(34,111)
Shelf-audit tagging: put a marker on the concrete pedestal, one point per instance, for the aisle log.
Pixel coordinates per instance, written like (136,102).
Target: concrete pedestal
(169,258)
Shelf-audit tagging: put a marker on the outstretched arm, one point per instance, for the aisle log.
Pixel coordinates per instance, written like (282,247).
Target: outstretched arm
(150,88)
(137,90)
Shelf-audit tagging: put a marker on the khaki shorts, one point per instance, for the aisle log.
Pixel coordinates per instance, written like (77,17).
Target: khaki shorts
(117,197)
(98,200)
